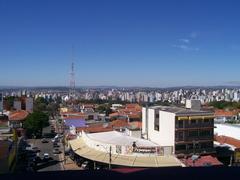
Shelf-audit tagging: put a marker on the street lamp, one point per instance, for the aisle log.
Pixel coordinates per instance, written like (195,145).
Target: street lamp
(110,154)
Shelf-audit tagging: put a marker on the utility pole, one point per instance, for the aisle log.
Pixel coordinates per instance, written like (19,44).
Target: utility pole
(110,157)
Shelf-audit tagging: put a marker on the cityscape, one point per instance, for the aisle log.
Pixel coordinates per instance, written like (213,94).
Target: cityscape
(120,87)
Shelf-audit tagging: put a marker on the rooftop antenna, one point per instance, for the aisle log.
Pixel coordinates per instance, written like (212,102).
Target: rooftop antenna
(72,77)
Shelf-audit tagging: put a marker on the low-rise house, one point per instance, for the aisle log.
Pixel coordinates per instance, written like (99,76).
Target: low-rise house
(221,116)
(227,139)
(16,118)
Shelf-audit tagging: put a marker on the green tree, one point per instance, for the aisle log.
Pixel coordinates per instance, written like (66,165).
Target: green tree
(9,102)
(40,104)
(35,123)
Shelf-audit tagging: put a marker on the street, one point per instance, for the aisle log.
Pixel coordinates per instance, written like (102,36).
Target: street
(56,161)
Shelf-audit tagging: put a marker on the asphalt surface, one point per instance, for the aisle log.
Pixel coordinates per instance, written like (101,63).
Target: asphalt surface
(55,162)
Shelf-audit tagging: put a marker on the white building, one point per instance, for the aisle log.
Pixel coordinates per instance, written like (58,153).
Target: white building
(29,104)
(17,105)
(121,150)
(178,130)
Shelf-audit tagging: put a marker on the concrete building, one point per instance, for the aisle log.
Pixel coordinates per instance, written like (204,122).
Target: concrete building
(17,105)
(29,104)
(179,130)
(119,150)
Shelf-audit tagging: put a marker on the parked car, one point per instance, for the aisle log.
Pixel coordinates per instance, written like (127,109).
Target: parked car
(46,157)
(79,161)
(87,165)
(55,145)
(36,149)
(44,140)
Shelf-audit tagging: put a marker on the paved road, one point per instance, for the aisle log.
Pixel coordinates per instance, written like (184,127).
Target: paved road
(56,163)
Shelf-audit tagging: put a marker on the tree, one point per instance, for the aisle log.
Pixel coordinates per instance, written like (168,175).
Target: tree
(9,102)
(35,122)
(40,104)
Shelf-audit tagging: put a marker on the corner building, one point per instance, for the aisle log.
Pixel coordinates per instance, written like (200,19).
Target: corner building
(179,131)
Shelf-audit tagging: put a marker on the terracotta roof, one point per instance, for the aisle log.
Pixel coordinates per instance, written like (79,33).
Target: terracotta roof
(18,115)
(101,128)
(221,112)
(227,140)
(202,161)
(136,124)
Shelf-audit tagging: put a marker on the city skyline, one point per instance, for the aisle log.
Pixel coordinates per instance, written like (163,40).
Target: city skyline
(120,43)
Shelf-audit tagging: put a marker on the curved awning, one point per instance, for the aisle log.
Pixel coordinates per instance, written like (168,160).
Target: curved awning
(80,148)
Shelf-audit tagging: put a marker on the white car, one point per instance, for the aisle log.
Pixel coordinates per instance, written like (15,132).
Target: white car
(46,156)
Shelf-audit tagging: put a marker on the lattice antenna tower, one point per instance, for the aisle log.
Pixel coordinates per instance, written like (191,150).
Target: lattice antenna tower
(72,77)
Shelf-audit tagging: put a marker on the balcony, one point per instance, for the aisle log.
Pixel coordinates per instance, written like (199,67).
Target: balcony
(190,139)
(197,125)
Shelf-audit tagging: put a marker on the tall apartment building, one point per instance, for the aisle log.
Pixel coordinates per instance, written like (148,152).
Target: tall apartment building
(29,104)
(17,105)
(179,130)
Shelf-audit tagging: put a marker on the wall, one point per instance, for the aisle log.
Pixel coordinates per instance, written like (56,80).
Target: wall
(166,134)
(143,120)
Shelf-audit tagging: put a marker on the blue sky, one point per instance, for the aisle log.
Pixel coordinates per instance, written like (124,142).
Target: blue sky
(155,43)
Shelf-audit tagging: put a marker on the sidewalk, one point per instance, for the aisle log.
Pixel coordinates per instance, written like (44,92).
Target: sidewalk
(69,164)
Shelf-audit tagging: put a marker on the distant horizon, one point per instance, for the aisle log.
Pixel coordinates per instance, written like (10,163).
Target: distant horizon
(115,86)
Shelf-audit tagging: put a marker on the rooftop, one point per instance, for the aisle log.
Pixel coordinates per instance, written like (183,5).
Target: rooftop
(179,111)
(232,131)
(202,161)
(82,149)
(227,140)
(117,138)
(18,115)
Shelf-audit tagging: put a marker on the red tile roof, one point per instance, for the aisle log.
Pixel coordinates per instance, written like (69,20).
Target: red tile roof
(202,161)
(136,124)
(18,115)
(94,128)
(227,140)
(220,112)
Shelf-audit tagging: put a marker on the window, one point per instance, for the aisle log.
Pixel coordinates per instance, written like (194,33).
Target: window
(180,147)
(180,123)
(179,136)
(205,133)
(206,120)
(193,133)
(156,124)
(90,117)
(193,121)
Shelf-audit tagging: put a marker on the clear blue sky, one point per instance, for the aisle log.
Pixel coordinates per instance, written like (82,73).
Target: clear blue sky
(120,42)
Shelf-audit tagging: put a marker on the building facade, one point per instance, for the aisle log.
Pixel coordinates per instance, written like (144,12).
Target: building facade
(179,130)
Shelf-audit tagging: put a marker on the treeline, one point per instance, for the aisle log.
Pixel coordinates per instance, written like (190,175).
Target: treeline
(225,105)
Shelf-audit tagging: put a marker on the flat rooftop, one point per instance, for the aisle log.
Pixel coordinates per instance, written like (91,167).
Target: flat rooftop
(179,111)
(117,138)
